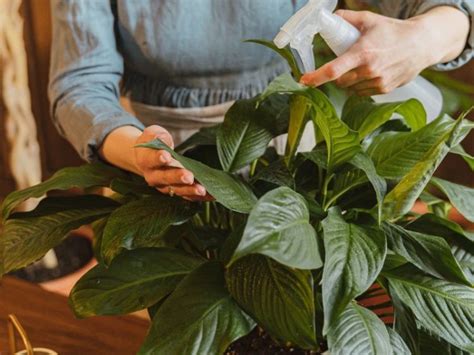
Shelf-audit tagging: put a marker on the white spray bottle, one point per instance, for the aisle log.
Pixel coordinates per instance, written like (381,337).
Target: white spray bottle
(317,17)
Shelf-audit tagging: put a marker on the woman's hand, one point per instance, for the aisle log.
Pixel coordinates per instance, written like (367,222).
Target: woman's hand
(156,166)
(392,52)
(160,170)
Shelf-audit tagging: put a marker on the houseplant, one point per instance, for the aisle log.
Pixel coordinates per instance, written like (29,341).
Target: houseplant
(290,243)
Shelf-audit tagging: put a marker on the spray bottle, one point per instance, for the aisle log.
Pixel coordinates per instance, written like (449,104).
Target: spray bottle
(317,17)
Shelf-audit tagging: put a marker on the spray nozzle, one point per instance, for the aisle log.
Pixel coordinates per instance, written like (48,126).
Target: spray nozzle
(316,17)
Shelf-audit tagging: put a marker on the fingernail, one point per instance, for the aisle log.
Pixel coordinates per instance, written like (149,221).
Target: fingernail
(187,179)
(200,190)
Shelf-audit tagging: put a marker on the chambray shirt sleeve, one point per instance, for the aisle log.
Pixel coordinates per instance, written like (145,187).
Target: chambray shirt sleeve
(410,8)
(85,72)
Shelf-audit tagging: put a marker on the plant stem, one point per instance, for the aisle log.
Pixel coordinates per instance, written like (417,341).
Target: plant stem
(253,168)
(207,213)
(327,180)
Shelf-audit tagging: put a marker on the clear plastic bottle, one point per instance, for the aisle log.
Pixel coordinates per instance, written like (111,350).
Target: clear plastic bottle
(317,17)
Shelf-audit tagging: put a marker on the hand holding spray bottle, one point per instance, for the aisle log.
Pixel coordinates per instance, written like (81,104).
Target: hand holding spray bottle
(317,17)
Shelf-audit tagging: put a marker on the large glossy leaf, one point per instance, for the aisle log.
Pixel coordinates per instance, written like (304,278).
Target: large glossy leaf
(353,260)
(351,179)
(85,176)
(276,173)
(225,188)
(199,317)
(278,226)
(432,344)
(430,253)
(284,52)
(140,223)
(247,130)
(405,324)
(135,280)
(342,142)
(283,84)
(279,298)
(358,331)
(402,197)
(445,308)
(365,116)
(462,197)
(27,236)
(461,242)
(396,153)
(398,345)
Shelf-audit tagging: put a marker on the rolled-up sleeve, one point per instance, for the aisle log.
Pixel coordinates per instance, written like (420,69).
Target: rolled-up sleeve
(467,6)
(85,72)
(410,8)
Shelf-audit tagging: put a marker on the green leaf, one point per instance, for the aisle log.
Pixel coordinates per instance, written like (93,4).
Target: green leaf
(132,185)
(278,226)
(318,156)
(84,176)
(398,345)
(354,258)
(205,136)
(358,331)
(284,52)
(283,84)
(461,242)
(247,130)
(429,253)
(199,317)
(299,107)
(347,181)
(342,142)
(135,280)
(402,197)
(279,298)
(405,324)
(396,153)
(27,236)
(141,223)
(462,197)
(468,158)
(442,307)
(225,188)
(276,173)
(432,344)
(365,116)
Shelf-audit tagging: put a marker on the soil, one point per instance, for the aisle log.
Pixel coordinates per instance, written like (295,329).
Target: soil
(72,254)
(259,342)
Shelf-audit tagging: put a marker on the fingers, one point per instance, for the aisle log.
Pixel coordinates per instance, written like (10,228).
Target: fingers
(334,69)
(190,192)
(354,77)
(358,19)
(168,176)
(155,131)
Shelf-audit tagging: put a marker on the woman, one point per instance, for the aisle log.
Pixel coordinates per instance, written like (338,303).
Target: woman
(182,63)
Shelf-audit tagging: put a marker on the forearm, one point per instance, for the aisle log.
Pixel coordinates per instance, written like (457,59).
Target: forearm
(118,148)
(445,29)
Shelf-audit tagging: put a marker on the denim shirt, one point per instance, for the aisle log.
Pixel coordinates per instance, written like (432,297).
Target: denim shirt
(180,53)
